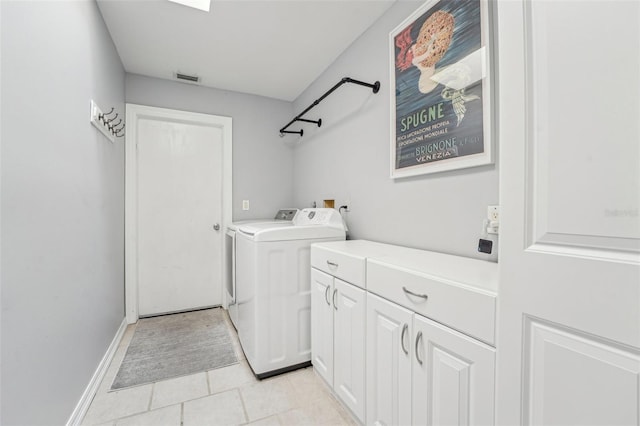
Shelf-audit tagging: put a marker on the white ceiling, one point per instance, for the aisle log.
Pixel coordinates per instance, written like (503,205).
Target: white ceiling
(273,48)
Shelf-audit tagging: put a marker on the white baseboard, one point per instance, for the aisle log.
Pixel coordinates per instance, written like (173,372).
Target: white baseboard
(92,388)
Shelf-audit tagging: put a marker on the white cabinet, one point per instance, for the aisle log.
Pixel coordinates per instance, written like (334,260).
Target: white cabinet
(423,373)
(338,326)
(428,329)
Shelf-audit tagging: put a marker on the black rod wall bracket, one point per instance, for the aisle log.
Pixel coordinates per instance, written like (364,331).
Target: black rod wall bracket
(375,87)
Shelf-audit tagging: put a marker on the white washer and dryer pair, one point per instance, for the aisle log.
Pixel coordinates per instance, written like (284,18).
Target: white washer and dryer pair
(283,217)
(273,291)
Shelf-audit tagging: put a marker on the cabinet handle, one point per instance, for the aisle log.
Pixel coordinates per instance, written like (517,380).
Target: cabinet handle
(332,264)
(424,296)
(418,338)
(404,331)
(326,295)
(334,299)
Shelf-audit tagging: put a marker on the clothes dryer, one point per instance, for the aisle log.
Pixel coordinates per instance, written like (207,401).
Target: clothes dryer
(283,216)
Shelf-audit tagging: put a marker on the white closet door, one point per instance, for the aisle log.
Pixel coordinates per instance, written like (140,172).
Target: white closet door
(568,341)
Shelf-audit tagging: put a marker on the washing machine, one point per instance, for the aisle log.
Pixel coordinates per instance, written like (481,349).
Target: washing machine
(283,216)
(273,292)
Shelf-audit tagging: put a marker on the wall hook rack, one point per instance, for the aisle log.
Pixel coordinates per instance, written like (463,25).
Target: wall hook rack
(375,87)
(105,122)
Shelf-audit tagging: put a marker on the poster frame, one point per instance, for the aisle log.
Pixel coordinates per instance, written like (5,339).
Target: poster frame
(486,157)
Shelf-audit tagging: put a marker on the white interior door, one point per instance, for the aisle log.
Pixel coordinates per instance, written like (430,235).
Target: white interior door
(568,348)
(179,182)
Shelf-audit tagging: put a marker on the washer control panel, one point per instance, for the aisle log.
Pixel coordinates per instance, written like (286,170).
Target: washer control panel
(286,214)
(317,217)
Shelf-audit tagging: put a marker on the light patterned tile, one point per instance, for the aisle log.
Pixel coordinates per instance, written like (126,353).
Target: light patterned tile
(269,421)
(233,376)
(308,386)
(180,389)
(296,398)
(349,420)
(113,405)
(167,416)
(268,397)
(220,409)
(347,416)
(322,412)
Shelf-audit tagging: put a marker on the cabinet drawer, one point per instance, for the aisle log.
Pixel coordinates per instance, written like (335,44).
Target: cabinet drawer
(460,306)
(347,267)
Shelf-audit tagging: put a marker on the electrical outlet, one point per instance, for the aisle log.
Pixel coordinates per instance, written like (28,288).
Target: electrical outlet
(343,206)
(245,204)
(493,213)
(493,216)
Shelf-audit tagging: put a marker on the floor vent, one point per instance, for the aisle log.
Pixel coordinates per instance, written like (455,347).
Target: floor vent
(185,77)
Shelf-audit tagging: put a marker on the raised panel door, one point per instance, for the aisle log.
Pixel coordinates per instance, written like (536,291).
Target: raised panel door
(389,328)
(574,379)
(453,377)
(349,346)
(322,324)
(569,294)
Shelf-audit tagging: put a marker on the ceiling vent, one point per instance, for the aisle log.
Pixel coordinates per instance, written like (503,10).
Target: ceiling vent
(189,78)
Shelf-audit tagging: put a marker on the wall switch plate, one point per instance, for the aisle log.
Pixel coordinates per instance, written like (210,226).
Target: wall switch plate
(245,204)
(485,246)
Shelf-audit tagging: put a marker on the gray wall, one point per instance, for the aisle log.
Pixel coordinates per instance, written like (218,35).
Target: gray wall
(347,159)
(262,163)
(62,207)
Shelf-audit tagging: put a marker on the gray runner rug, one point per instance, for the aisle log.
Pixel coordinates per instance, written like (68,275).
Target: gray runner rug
(176,345)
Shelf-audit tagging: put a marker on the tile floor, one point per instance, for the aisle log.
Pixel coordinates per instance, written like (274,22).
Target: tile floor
(225,396)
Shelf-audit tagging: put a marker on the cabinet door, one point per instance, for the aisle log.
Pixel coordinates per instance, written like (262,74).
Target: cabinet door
(322,324)
(453,377)
(348,355)
(389,329)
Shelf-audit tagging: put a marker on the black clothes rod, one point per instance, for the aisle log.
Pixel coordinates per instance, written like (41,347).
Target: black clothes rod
(375,86)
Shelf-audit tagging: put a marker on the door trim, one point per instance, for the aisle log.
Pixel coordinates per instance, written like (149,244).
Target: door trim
(133,114)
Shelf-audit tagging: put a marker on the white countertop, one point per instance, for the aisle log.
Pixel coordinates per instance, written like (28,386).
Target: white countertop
(474,273)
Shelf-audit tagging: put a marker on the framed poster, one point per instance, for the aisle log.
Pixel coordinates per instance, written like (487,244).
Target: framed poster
(441,88)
